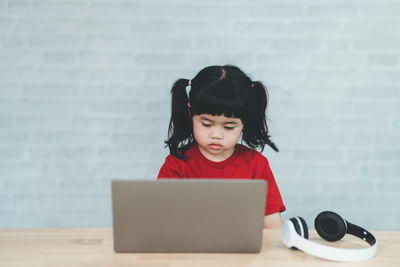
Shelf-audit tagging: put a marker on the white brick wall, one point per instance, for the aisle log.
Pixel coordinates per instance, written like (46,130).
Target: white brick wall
(84,98)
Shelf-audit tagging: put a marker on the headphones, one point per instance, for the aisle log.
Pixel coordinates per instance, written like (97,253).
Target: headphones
(331,227)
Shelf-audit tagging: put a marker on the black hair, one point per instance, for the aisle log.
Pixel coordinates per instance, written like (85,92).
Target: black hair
(218,90)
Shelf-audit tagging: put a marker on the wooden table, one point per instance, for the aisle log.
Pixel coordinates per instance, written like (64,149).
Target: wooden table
(94,247)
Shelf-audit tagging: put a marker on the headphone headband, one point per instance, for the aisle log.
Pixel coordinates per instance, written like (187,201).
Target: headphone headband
(361,233)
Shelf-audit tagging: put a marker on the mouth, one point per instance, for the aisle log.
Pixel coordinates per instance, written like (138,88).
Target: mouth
(215,146)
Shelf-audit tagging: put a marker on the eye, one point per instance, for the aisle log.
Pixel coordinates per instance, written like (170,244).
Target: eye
(206,125)
(229,128)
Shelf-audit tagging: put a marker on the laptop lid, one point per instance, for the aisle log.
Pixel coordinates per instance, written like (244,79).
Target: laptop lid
(196,215)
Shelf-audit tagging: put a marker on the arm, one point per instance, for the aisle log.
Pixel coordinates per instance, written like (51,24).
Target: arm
(273,220)
(274,204)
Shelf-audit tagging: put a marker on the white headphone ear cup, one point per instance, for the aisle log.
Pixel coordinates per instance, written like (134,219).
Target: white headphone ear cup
(300,226)
(288,234)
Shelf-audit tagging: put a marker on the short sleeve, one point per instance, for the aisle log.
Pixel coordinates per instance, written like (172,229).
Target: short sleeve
(170,169)
(274,201)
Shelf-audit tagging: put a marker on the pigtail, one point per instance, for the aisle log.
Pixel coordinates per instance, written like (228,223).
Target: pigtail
(255,133)
(180,126)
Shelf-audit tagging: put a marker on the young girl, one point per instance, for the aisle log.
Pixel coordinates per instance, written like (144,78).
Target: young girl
(222,106)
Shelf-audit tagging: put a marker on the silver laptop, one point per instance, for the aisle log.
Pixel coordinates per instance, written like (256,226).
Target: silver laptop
(196,215)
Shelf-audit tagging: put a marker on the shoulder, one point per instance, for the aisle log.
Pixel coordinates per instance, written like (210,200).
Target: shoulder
(171,168)
(253,160)
(171,159)
(175,167)
(251,154)
(189,154)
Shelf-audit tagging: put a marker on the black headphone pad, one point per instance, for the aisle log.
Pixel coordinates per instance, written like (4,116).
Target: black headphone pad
(330,226)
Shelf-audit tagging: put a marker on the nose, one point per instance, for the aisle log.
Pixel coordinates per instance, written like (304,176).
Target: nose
(217,134)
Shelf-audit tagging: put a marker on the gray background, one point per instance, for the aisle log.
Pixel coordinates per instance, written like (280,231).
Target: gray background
(84,98)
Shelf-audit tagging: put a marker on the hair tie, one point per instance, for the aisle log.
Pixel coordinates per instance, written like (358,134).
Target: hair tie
(188,87)
(252,84)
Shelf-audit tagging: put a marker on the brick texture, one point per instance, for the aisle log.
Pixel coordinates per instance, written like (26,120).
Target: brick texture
(84,99)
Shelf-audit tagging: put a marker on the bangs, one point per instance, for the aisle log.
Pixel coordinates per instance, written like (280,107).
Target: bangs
(220,98)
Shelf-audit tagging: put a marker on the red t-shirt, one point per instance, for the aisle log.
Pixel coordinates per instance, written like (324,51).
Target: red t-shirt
(244,163)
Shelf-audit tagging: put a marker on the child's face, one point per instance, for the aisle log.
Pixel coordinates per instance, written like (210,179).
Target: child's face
(216,135)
